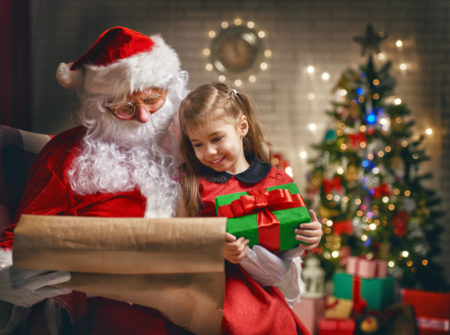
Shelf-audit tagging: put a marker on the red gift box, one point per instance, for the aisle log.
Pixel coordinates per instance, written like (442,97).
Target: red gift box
(366,268)
(432,311)
(309,310)
(336,326)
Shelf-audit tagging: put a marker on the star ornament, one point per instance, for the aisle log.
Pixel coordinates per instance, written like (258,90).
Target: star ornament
(370,41)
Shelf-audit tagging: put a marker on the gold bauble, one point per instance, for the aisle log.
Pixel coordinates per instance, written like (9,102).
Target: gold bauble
(316,180)
(384,250)
(325,212)
(354,110)
(352,173)
(395,162)
(334,242)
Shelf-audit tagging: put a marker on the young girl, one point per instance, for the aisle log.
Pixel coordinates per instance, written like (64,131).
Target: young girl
(225,152)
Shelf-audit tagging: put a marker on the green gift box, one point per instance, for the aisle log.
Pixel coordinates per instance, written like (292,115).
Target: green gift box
(378,292)
(265,216)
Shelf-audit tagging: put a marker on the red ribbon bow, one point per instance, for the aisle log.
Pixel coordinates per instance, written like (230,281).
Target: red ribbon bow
(356,139)
(332,184)
(359,303)
(381,190)
(263,203)
(345,226)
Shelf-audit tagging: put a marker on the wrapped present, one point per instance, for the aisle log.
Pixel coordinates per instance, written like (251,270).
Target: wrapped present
(366,268)
(337,308)
(336,326)
(309,310)
(266,216)
(432,310)
(377,292)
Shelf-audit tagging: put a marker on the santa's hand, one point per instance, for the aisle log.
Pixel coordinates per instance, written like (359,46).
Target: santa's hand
(265,267)
(28,287)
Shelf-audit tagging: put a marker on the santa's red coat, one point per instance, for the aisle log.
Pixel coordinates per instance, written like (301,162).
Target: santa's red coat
(49,193)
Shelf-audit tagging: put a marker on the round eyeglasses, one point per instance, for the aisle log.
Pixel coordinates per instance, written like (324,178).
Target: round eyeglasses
(126,110)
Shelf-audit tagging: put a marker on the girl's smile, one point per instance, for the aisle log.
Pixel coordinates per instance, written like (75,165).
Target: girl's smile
(218,144)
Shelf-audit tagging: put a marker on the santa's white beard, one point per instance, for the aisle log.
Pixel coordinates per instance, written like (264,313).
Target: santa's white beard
(120,155)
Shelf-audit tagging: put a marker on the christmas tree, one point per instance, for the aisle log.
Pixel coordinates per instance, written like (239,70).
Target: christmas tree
(367,185)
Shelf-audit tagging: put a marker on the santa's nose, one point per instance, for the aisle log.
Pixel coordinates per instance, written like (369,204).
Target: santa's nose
(142,114)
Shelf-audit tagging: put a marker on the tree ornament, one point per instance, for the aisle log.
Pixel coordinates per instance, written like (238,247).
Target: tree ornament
(344,226)
(352,173)
(325,212)
(421,249)
(316,180)
(408,205)
(347,80)
(398,125)
(370,41)
(354,110)
(330,135)
(400,223)
(356,139)
(334,242)
(381,190)
(332,185)
(384,250)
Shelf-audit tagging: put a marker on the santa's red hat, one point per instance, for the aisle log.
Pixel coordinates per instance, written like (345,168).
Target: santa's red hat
(121,61)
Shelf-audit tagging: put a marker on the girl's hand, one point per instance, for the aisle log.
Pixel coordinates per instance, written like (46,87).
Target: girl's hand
(310,232)
(235,249)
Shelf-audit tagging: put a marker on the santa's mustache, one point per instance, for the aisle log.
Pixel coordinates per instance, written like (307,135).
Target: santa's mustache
(104,126)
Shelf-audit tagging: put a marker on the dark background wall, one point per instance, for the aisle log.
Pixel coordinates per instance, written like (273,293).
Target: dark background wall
(298,32)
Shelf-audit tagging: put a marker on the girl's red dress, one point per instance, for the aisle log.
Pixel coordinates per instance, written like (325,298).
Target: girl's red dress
(249,307)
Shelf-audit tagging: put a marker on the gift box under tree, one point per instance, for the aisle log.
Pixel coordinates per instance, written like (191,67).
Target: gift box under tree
(265,216)
(336,326)
(377,292)
(432,310)
(309,310)
(366,268)
(338,308)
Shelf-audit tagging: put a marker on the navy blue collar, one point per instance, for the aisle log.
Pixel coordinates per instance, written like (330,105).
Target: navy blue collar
(256,172)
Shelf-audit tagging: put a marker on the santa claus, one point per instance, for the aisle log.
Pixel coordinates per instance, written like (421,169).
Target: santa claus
(120,162)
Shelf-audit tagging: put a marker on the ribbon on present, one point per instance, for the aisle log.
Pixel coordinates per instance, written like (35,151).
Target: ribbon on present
(359,303)
(263,203)
(332,184)
(378,266)
(345,226)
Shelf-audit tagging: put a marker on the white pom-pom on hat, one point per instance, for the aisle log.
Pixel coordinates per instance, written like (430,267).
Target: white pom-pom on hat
(69,78)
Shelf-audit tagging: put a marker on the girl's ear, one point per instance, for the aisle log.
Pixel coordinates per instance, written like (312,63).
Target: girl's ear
(243,126)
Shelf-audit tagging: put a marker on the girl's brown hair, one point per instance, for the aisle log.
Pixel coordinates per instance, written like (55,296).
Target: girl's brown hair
(217,100)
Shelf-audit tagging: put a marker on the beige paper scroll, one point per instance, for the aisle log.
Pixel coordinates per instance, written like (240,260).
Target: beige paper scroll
(174,265)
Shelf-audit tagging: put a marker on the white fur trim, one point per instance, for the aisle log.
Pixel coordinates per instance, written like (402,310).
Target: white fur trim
(5,258)
(68,78)
(134,73)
